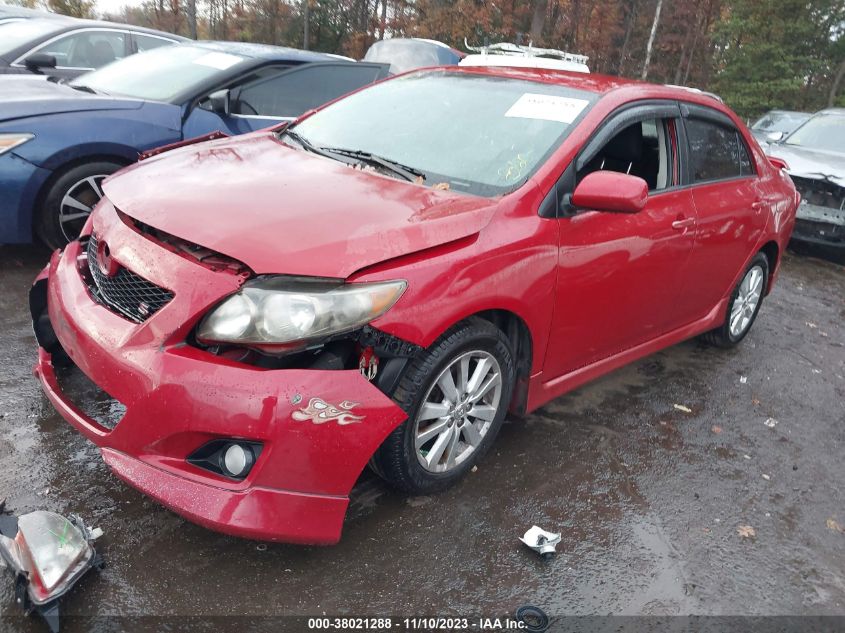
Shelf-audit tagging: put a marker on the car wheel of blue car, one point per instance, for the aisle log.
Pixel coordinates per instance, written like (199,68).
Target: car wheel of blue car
(69,202)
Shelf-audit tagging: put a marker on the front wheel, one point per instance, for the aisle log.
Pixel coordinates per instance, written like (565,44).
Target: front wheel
(69,202)
(456,394)
(744,304)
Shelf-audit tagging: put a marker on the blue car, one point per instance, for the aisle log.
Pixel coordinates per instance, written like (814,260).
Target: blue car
(58,142)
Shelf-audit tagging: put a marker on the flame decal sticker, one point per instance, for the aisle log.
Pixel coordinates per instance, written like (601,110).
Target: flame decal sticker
(319,411)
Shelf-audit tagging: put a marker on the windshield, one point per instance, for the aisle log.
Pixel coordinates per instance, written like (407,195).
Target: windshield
(160,74)
(780,121)
(479,134)
(823,131)
(21,32)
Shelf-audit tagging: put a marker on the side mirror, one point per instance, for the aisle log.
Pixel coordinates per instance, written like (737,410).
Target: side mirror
(37,61)
(774,137)
(611,191)
(220,102)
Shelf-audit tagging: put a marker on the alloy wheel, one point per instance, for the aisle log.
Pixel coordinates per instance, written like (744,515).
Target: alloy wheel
(458,411)
(78,203)
(747,300)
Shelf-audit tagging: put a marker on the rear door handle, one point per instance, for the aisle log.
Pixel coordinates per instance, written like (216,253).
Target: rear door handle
(682,224)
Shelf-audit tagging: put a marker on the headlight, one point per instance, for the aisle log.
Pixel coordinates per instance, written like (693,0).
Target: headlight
(10,141)
(285,310)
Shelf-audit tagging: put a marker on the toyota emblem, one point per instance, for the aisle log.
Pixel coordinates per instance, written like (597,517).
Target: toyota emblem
(108,266)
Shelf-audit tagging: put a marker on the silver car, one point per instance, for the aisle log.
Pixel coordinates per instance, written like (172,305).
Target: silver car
(815,159)
(776,125)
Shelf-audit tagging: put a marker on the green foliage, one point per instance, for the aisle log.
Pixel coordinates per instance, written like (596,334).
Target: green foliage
(777,53)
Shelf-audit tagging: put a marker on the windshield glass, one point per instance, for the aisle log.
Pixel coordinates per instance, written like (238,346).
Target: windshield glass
(20,32)
(780,121)
(480,134)
(159,74)
(822,131)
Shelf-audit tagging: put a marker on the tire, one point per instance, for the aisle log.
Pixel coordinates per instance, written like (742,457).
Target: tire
(54,221)
(725,335)
(479,346)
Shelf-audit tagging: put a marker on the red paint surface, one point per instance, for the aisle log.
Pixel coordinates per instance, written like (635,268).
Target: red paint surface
(596,290)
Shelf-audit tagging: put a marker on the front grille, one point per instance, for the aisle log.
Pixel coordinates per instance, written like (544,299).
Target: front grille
(125,293)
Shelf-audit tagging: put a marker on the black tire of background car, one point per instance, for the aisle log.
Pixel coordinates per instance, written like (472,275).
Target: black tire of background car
(721,336)
(47,226)
(396,460)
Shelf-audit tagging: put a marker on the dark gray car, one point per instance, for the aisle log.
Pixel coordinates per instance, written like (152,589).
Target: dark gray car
(66,47)
(815,155)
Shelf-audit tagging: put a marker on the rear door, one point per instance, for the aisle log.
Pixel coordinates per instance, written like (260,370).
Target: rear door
(620,275)
(729,199)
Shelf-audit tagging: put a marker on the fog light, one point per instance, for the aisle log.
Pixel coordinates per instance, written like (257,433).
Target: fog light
(237,460)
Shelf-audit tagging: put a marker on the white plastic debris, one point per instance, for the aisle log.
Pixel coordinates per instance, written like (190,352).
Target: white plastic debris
(681,407)
(743,380)
(541,541)
(771,423)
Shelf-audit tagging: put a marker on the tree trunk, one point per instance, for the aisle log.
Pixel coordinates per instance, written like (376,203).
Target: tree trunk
(651,37)
(306,19)
(837,81)
(192,19)
(538,21)
(383,21)
(630,18)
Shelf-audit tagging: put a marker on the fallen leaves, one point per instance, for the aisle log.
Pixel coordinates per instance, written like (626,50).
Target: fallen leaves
(716,429)
(833,524)
(746,531)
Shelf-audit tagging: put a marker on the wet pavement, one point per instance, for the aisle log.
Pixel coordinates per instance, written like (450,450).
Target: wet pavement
(651,498)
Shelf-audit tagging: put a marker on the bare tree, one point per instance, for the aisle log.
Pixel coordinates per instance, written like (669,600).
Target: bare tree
(650,44)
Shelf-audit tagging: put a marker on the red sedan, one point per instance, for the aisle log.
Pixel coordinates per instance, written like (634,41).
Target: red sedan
(384,280)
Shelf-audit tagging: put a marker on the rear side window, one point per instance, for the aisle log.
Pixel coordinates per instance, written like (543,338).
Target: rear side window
(294,92)
(148,42)
(717,151)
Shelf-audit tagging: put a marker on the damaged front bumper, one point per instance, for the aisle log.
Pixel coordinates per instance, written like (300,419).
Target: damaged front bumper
(317,429)
(820,219)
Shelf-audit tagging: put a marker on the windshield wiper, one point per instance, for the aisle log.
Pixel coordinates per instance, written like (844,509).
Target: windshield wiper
(307,145)
(408,173)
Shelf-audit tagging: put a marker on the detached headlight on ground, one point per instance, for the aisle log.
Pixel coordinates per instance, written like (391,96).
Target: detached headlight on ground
(8,142)
(284,311)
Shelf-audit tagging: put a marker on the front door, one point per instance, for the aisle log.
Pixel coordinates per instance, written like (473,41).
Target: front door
(620,276)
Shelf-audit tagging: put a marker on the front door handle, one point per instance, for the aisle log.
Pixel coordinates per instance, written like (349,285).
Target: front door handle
(683,224)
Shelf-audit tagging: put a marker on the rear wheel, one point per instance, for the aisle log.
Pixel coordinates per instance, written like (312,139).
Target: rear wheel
(69,202)
(744,304)
(456,395)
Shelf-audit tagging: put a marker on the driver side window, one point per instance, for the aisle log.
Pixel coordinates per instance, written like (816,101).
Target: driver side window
(644,149)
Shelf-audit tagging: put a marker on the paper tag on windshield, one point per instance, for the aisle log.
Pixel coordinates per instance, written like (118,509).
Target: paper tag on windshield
(220,61)
(547,108)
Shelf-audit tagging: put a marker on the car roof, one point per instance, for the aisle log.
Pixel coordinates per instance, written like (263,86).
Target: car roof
(63,24)
(264,51)
(839,111)
(592,82)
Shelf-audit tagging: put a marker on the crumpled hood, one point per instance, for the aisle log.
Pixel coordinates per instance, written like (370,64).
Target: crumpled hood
(27,96)
(810,163)
(283,210)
